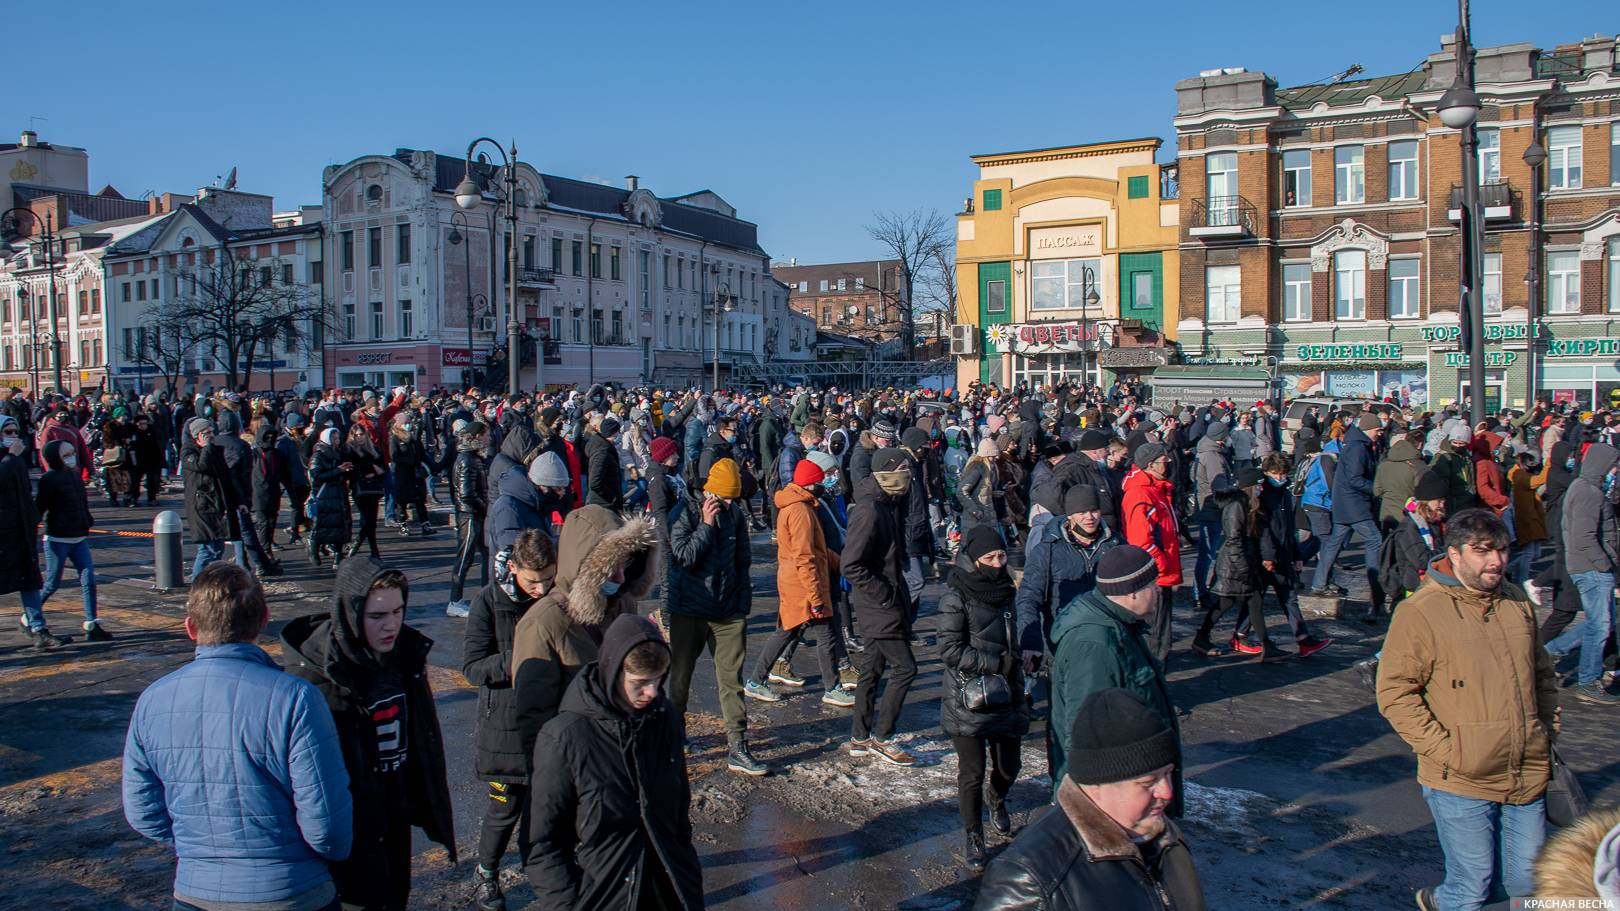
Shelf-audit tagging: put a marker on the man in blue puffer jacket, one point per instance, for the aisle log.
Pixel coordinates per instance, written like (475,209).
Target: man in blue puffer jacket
(237,765)
(1353,508)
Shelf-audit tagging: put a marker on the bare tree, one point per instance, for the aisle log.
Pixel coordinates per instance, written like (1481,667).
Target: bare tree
(239,308)
(916,240)
(163,342)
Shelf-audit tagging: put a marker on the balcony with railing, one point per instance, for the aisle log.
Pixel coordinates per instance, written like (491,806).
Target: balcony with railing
(1495,201)
(1222,216)
(530,277)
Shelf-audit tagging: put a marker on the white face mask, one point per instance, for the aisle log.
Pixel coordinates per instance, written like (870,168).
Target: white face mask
(14,445)
(70,462)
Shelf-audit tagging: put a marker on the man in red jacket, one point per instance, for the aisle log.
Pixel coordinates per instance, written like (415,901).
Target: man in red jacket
(1150,523)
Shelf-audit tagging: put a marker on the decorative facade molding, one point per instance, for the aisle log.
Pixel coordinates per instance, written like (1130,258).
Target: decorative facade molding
(1596,239)
(1350,235)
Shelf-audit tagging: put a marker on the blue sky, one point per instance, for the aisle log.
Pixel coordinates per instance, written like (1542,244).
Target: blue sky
(806,117)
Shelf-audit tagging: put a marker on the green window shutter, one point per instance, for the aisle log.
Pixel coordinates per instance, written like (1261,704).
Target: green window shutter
(992,200)
(1137,187)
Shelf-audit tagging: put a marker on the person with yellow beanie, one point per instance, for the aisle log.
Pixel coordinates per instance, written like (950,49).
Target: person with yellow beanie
(708,598)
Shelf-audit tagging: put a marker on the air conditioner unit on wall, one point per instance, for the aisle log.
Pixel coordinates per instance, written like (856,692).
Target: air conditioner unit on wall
(965,340)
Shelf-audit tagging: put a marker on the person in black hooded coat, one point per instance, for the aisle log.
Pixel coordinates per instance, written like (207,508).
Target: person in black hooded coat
(387,726)
(328,473)
(617,787)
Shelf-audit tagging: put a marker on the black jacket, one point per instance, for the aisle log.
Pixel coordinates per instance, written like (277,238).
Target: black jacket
(616,786)
(265,472)
(412,465)
(662,498)
(19,528)
(978,635)
(208,506)
(1405,558)
(519,441)
(604,479)
(469,483)
(1237,562)
(331,498)
(919,528)
(1279,523)
(291,463)
(873,556)
(486,662)
(329,651)
(1075,858)
(61,499)
(708,571)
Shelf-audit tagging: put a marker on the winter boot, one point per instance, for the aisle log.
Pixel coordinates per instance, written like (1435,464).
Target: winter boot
(487,895)
(973,852)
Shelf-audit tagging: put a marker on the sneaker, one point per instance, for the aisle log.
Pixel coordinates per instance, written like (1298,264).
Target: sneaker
(782,672)
(94,632)
(838,697)
(1331,590)
(1592,692)
(1533,592)
(760,691)
(1310,645)
(404,530)
(858,747)
(973,851)
(44,641)
(487,895)
(891,752)
(740,760)
(848,676)
(1426,900)
(1000,819)
(427,530)
(456,609)
(1367,670)
(1270,652)
(1246,646)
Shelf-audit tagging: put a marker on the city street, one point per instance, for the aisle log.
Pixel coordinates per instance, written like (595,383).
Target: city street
(1299,795)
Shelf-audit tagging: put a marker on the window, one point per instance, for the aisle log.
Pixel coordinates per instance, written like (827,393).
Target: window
(264,276)
(374,248)
(1492,287)
(1223,289)
(1564,282)
(992,200)
(402,244)
(841,284)
(348,321)
(1062,284)
(666,274)
(405,319)
(1614,275)
(95,351)
(140,290)
(84,303)
(123,293)
(1350,284)
(1349,176)
(286,273)
(860,283)
(1564,158)
(1404,291)
(826,316)
(646,279)
(1221,182)
(1136,187)
(84,352)
(578,253)
(346,245)
(824,286)
(596,260)
(154,289)
(1490,156)
(995,297)
(528,251)
(556,255)
(1614,153)
(804,287)
(1296,292)
(1403,172)
(376,319)
(1297,178)
(614,272)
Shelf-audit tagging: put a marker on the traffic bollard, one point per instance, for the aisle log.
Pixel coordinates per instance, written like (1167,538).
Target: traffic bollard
(166,530)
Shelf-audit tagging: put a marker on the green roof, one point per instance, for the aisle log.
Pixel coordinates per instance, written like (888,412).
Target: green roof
(1340,94)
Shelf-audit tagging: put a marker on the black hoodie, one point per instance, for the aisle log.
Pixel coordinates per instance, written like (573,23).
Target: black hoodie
(635,832)
(61,499)
(396,768)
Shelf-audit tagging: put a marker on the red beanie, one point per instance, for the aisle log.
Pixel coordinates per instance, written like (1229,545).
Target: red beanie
(807,473)
(662,448)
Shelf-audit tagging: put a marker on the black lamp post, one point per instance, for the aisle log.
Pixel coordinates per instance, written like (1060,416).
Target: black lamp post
(1459,109)
(468,195)
(464,240)
(1535,156)
(48,236)
(1088,281)
(722,304)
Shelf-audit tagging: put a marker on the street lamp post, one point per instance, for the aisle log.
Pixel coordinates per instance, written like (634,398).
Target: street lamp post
(48,236)
(722,304)
(1088,280)
(1535,156)
(464,240)
(1459,108)
(468,195)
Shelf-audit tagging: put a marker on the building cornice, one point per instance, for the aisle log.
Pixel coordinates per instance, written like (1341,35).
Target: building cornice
(1059,153)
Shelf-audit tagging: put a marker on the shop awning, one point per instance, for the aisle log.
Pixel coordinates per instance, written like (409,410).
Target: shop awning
(1202,384)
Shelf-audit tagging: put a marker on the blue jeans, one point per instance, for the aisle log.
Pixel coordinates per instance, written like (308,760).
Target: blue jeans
(388,495)
(1371,538)
(1589,635)
(57,556)
(33,610)
(1209,541)
(207,553)
(1489,848)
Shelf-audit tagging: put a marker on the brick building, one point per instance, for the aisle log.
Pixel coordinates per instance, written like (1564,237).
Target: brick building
(860,299)
(1319,233)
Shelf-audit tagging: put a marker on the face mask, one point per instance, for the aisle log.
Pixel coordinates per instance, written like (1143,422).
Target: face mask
(610,588)
(14,445)
(729,438)
(830,483)
(1569,464)
(1276,482)
(70,462)
(893,483)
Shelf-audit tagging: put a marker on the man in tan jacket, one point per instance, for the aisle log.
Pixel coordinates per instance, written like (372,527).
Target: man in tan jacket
(1464,678)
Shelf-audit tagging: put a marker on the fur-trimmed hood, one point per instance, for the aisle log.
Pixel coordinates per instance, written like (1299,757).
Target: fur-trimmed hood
(594,541)
(1570,862)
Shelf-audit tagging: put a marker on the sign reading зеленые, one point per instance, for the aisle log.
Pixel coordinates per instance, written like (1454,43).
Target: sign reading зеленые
(1375,351)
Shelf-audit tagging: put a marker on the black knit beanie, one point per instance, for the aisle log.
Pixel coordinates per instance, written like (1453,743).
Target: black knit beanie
(1116,737)
(1126,570)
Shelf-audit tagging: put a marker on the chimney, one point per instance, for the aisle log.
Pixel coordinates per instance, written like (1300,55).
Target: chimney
(632,183)
(30,139)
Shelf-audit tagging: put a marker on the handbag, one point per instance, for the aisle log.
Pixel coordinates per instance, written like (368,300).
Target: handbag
(112,455)
(1566,799)
(988,692)
(310,504)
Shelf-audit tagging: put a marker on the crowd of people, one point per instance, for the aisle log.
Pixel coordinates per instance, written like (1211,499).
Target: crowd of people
(614,531)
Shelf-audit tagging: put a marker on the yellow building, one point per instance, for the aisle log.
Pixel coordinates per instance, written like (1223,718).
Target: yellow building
(1050,244)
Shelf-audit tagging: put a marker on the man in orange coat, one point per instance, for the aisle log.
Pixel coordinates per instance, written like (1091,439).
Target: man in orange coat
(805,567)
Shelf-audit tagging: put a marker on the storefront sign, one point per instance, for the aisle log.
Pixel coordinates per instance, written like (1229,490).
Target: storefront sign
(374,358)
(1583,347)
(1492,358)
(1052,337)
(1494,332)
(1062,243)
(457,357)
(1383,351)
